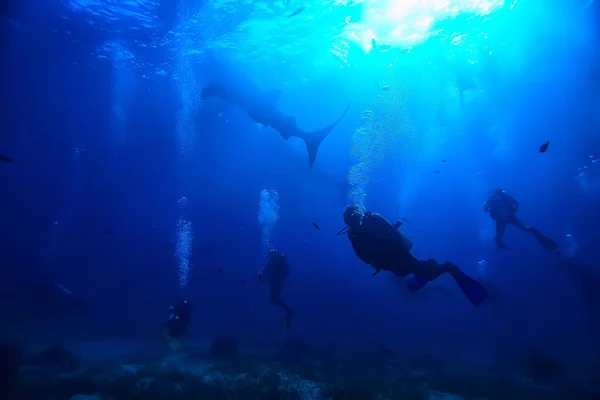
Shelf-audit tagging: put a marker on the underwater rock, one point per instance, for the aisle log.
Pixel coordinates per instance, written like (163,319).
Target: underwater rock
(57,357)
(434,395)
(542,367)
(223,346)
(10,361)
(86,397)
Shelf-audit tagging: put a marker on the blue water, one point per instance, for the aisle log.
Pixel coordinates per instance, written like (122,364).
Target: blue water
(131,191)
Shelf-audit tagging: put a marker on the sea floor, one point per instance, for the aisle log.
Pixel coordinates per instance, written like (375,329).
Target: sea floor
(130,371)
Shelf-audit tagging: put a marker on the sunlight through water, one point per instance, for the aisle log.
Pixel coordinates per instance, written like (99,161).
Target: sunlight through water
(408,22)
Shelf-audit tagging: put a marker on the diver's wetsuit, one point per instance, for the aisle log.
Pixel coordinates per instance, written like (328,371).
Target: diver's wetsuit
(179,319)
(379,244)
(275,272)
(502,209)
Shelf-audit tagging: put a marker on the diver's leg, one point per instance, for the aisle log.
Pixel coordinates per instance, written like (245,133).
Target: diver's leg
(500,228)
(399,273)
(545,241)
(275,293)
(430,270)
(473,290)
(276,301)
(517,223)
(427,271)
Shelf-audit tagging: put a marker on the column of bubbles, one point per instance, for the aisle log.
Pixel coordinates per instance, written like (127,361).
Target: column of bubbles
(268,216)
(183,250)
(376,143)
(185,83)
(482,268)
(588,176)
(185,80)
(122,85)
(572,247)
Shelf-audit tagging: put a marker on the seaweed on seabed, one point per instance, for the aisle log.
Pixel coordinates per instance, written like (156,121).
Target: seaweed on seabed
(172,385)
(267,386)
(352,392)
(370,389)
(60,388)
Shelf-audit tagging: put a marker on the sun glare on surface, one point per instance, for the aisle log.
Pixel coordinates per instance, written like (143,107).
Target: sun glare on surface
(403,23)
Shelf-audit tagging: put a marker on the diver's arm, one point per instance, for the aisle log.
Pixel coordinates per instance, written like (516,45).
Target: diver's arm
(487,207)
(361,251)
(511,204)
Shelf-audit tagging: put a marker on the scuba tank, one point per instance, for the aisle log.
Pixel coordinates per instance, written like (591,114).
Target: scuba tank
(406,242)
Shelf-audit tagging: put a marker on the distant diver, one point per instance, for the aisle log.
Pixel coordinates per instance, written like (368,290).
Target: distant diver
(379,244)
(502,209)
(177,325)
(275,272)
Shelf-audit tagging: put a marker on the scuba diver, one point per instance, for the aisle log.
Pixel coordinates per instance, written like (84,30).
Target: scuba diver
(502,209)
(177,324)
(275,272)
(379,244)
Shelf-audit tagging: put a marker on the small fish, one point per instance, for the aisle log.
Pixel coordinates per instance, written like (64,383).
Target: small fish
(298,11)
(328,279)
(444,161)
(6,159)
(244,281)
(166,246)
(219,269)
(544,147)
(437,171)
(373,43)
(108,231)
(317,227)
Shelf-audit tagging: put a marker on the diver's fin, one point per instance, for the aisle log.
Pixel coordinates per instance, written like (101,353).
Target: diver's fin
(174,344)
(314,139)
(474,290)
(545,241)
(273,96)
(288,318)
(415,284)
(377,270)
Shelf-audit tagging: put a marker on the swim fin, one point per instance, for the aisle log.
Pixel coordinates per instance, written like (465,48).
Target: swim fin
(288,318)
(474,290)
(545,241)
(173,343)
(415,284)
